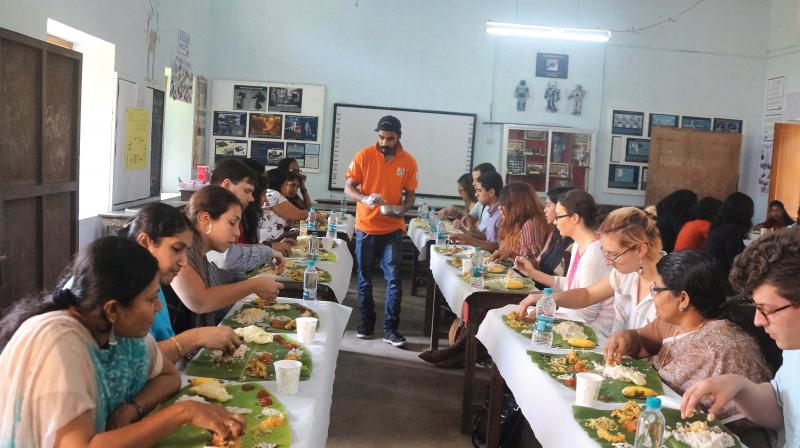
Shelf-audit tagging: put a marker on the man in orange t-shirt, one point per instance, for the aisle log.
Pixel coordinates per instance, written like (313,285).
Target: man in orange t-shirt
(379,175)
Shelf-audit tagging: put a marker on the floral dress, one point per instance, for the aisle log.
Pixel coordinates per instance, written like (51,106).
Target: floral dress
(272,225)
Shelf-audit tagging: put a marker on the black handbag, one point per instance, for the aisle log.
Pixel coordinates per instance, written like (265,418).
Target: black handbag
(512,422)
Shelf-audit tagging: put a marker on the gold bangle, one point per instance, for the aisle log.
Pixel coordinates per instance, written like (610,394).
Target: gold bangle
(178,346)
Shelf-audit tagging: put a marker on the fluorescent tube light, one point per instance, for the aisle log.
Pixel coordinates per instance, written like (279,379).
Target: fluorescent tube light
(547,32)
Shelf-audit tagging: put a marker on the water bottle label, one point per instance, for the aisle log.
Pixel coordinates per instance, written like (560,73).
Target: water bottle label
(441,235)
(544,323)
(309,295)
(477,271)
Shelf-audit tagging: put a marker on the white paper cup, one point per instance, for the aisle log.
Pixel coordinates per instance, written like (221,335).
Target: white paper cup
(327,243)
(287,375)
(587,388)
(306,329)
(466,266)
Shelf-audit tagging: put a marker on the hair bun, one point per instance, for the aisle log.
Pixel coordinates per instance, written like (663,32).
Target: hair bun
(64,298)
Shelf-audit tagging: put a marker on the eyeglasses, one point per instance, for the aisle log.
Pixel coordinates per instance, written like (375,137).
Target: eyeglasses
(613,258)
(766,314)
(656,289)
(565,216)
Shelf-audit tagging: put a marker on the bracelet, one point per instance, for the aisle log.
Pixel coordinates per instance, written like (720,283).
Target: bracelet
(139,408)
(178,346)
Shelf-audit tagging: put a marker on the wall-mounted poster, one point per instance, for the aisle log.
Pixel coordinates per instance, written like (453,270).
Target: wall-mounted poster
(698,123)
(727,125)
(662,120)
(623,176)
(559,170)
(282,99)
(250,98)
(230,147)
(627,122)
(550,65)
(637,150)
(260,150)
(265,125)
(299,127)
(274,156)
(231,124)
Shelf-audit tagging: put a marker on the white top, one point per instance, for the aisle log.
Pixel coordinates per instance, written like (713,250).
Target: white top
(630,315)
(272,225)
(591,269)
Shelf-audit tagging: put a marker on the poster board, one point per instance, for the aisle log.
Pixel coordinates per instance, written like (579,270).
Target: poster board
(704,162)
(441,142)
(267,121)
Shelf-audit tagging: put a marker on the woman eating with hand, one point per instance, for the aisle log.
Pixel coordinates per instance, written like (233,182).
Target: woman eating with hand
(523,227)
(471,208)
(279,211)
(577,218)
(696,334)
(168,235)
(81,369)
(215,214)
(631,245)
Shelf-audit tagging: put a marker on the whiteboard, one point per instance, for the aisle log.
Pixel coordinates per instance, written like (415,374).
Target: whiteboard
(441,142)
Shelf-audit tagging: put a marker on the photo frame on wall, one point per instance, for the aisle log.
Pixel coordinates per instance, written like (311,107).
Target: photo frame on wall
(559,170)
(551,65)
(261,149)
(698,123)
(230,148)
(623,176)
(627,122)
(282,99)
(667,120)
(728,125)
(250,98)
(637,150)
(298,127)
(643,187)
(230,124)
(265,125)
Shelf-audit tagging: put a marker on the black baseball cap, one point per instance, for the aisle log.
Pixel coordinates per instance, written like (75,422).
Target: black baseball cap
(388,123)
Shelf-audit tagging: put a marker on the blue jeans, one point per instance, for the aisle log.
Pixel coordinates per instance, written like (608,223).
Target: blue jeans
(387,249)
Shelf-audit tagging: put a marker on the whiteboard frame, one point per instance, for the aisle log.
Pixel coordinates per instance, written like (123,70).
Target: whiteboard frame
(400,109)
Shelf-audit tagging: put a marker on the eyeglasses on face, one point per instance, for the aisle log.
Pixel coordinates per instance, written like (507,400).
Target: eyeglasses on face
(564,216)
(766,313)
(656,289)
(612,258)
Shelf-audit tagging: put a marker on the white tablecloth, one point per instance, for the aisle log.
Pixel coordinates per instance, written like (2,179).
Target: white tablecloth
(341,270)
(419,235)
(309,409)
(454,290)
(546,404)
(348,226)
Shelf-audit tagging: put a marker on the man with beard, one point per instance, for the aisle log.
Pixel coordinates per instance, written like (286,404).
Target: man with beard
(379,174)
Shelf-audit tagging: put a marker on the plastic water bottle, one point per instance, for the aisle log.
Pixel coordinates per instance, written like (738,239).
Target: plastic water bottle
(303,228)
(441,234)
(422,210)
(343,208)
(477,269)
(312,220)
(313,248)
(310,279)
(650,428)
(545,314)
(331,233)
(433,218)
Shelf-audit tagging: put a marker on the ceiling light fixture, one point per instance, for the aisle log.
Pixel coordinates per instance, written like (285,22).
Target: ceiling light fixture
(547,32)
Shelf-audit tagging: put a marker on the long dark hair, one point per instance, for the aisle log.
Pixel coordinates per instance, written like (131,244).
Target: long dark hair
(737,210)
(554,193)
(677,204)
(276,178)
(787,220)
(157,221)
(251,215)
(285,163)
(110,267)
(465,181)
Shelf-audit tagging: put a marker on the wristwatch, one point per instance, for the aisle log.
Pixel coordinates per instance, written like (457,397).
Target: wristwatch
(139,408)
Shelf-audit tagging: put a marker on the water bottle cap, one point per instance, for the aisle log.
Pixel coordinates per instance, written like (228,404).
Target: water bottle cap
(654,402)
(548,290)
(310,263)
(311,209)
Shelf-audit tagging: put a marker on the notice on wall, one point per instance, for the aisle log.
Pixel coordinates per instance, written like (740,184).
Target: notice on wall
(765,167)
(136,130)
(775,88)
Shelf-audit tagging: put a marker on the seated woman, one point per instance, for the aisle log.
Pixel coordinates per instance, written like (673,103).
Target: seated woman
(672,212)
(767,272)
(80,368)
(694,233)
(554,258)
(277,209)
(729,229)
(470,208)
(630,242)
(215,214)
(485,234)
(777,218)
(168,235)
(302,201)
(690,304)
(523,227)
(576,218)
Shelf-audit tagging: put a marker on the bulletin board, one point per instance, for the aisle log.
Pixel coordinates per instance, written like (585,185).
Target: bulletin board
(267,121)
(704,162)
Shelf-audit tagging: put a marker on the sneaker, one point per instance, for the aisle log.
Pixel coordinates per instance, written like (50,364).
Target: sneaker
(364,332)
(394,338)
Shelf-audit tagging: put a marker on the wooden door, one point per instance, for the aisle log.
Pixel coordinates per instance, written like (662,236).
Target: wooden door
(784,182)
(39,127)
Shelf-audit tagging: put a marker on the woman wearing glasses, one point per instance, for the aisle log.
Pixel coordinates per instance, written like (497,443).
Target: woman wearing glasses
(697,334)
(767,272)
(576,217)
(631,245)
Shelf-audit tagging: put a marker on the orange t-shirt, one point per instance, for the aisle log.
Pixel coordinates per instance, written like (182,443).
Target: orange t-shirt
(693,235)
(389,179)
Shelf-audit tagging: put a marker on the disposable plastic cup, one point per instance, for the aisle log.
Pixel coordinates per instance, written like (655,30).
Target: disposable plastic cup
(287,375)
(306,329)
(587,388)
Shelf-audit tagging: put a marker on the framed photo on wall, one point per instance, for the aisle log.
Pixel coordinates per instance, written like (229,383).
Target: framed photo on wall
(265,125)
(551,65)
(623,176)
(559,170)
(698,123)
(250,98)
(299,127)
(627,122)
(230,148)
(728,125)
(637,150)
(662,120)
(262,149)
(230,124)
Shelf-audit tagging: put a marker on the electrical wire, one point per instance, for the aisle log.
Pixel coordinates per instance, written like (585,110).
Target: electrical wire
(673,19)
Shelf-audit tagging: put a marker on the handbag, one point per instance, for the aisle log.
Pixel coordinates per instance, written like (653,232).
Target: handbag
(511,422)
